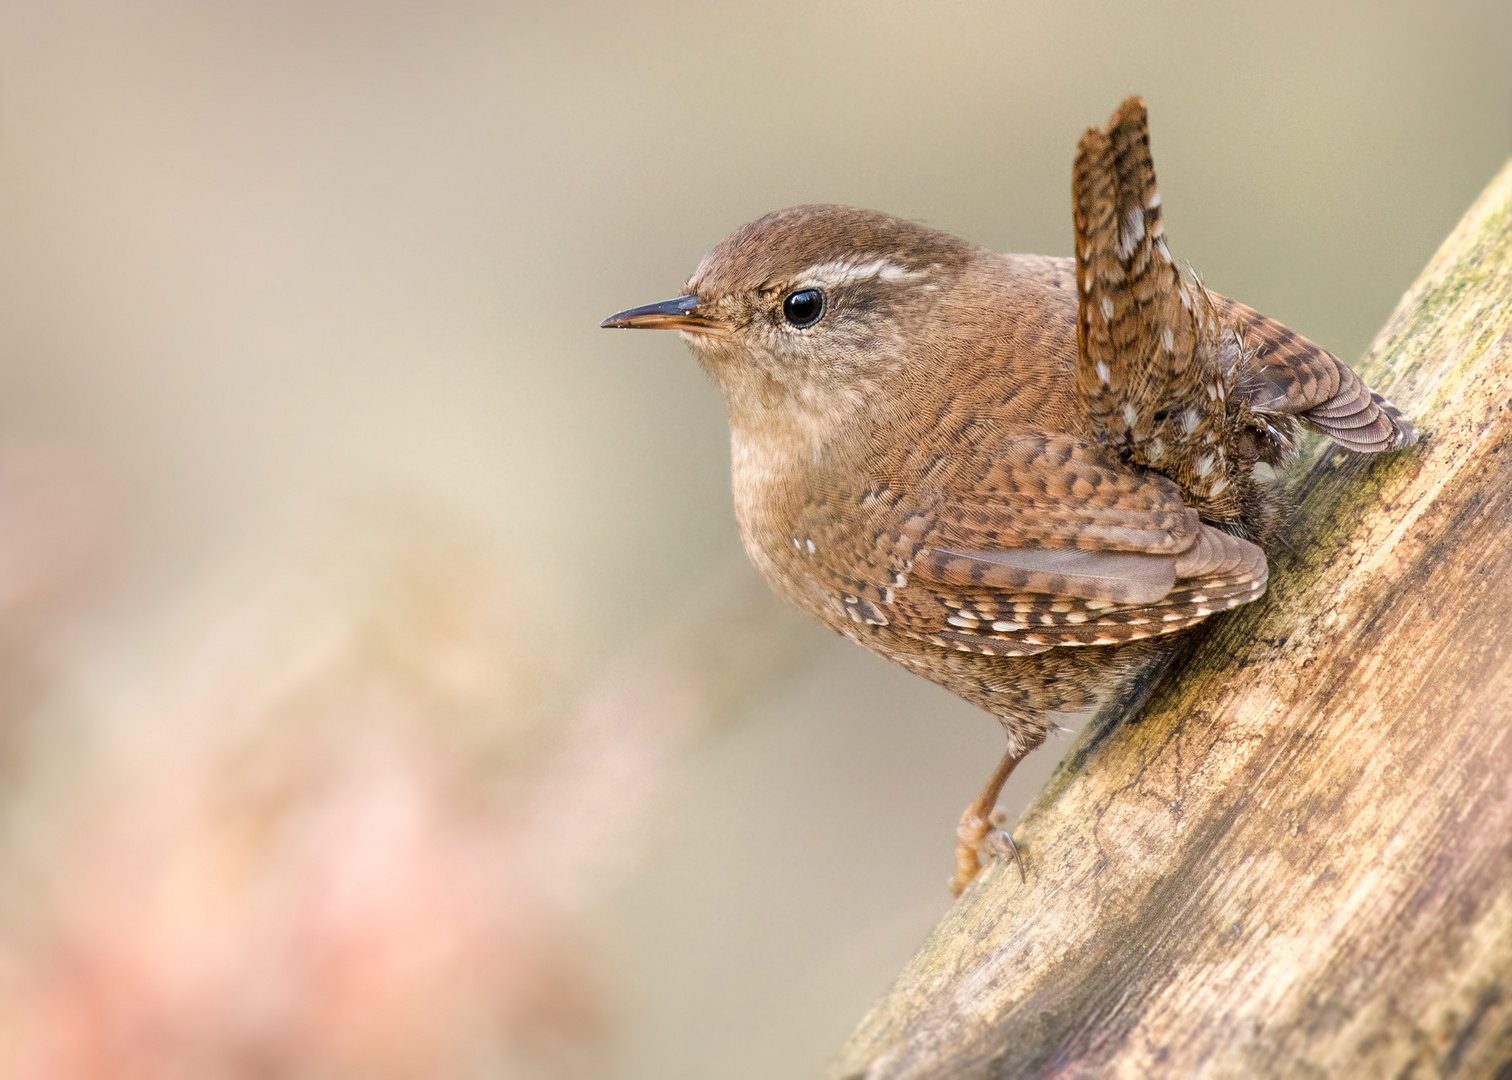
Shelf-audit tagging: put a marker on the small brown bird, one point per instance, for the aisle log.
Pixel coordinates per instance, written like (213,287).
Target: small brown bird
(1011,474)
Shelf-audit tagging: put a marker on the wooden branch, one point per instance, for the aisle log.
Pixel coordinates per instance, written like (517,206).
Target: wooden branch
(1298,861)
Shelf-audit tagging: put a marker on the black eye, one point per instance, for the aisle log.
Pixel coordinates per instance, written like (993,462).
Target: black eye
(804,307)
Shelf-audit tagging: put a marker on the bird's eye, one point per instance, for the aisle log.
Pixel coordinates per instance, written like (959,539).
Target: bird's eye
(803,308)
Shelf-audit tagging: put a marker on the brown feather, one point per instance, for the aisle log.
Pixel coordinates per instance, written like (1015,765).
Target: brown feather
(1290,376)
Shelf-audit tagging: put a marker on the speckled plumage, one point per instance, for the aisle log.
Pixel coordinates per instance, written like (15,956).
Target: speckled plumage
(1012,474)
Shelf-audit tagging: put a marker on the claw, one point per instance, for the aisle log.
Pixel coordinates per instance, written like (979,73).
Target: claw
(977,836)
(999,844)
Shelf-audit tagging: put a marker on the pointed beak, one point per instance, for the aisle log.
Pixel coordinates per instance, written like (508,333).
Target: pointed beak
(679,314)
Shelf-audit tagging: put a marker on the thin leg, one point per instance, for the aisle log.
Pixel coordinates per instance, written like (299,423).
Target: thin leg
(977,822)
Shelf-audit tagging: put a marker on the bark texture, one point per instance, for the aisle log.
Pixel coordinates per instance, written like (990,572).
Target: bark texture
(1297,861)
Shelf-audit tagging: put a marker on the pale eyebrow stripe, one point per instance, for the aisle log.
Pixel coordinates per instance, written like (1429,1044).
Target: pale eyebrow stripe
(838,272)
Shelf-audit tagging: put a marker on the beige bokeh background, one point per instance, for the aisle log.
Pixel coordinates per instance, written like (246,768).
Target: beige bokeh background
(262,263)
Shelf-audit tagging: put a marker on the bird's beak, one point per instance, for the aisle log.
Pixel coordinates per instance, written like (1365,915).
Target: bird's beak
(679,314)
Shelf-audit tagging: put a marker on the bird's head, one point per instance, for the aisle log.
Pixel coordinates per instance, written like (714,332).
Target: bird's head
(812,308)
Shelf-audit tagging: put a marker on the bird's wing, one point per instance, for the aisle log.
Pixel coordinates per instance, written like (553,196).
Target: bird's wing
(1153,365)
(1161,594)
(1287,375)
(1056,543)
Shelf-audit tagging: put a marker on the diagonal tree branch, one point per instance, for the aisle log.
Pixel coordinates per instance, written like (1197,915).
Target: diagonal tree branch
(1298,861)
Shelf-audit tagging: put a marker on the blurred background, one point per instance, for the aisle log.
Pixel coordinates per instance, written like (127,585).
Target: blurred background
(383,690)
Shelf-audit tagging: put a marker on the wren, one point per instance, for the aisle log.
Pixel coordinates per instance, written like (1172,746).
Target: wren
(1015,475)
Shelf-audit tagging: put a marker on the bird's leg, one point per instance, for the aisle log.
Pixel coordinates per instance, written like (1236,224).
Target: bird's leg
(977,823)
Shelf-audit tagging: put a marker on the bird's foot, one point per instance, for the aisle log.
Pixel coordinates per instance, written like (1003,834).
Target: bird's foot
(976,837)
